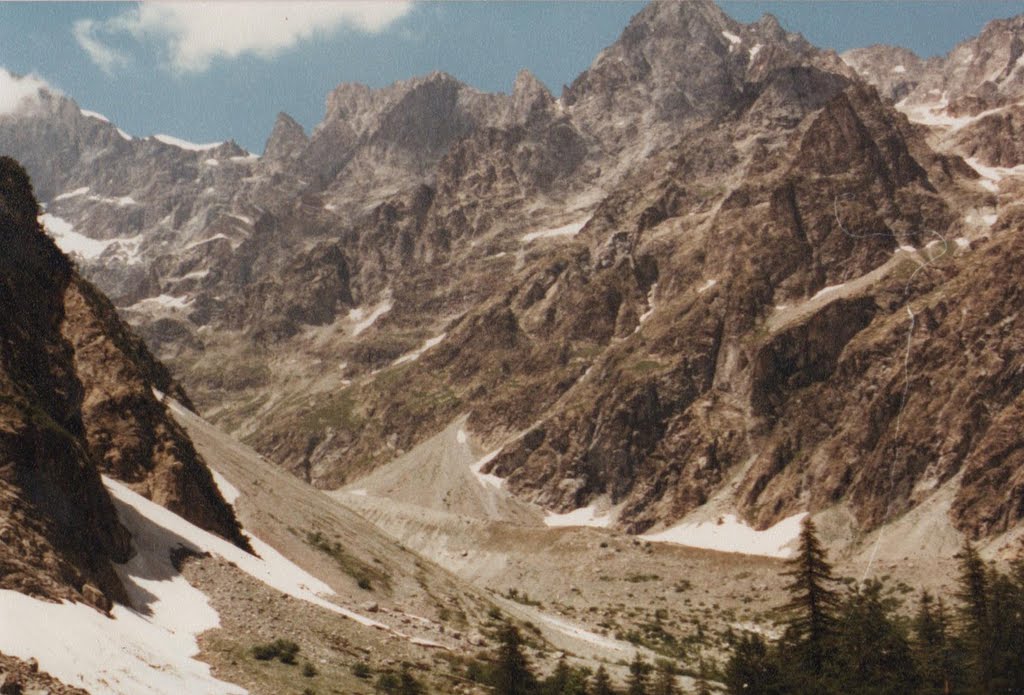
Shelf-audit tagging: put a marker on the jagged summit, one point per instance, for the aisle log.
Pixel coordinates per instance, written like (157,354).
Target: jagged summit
(287,140)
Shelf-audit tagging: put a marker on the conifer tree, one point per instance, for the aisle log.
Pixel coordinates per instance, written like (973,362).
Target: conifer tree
(602,684)
(936,655)
(665,679)
(812,601)
(973,593)
(638,670)
(872,655)
(512,675)
(1005,644)
(752,669)
(702,687)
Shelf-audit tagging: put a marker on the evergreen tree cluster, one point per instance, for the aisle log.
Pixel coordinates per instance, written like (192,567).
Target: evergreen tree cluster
(856,644)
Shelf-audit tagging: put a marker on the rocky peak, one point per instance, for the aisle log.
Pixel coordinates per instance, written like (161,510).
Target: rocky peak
(287,140)
(531,100)
(894,70)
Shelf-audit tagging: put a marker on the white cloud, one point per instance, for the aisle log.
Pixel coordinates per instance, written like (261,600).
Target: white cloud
(193,34)
(19,92)
(103,55)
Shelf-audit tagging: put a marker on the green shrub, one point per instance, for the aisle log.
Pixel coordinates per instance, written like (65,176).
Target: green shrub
(282,649)
(361,669)
(308,670)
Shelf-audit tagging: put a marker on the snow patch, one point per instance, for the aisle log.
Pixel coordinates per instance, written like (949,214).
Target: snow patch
(754,51)
(730,534)
(706,286)
(120,201)
(185,144)
(415,354)
(899,69)
(228,491)
(831,288)
(148,650)
(270,567)
(166,301)
(364,321)
(963,242)
(584,635)
(92,114)
(200,242)
(993,175)
(571,229)
(71,242)
(211,162)
(584,516)
(731,37)
(487,478)
(72,194)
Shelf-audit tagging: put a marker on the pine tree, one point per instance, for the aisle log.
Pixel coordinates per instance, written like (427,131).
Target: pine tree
(512,675)
(558,681)
(872,655)
(602,684)
(408,685)
(752,669)
(936,655)
(813,601)
(702,687)
(636,684)
(1006,640)
(665,679)
(973,593)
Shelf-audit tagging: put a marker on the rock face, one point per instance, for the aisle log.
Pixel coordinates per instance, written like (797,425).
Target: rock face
(78,401)
(720,265)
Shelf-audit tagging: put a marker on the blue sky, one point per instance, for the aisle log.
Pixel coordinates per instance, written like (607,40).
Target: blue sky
(212,72)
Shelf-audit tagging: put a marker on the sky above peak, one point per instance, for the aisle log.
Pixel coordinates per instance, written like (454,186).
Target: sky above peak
(210,71)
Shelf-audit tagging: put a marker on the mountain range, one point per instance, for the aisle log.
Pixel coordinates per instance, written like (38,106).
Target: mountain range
(725,274)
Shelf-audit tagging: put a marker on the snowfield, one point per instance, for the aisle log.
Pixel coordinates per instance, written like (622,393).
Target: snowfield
(69,241)
(149,649)
(731,535)
(584,516)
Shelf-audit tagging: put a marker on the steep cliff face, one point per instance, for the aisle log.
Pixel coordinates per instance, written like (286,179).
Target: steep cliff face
(78,401)
(60,531)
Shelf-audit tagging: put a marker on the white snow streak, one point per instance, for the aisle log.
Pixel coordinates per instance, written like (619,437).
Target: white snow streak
(487,478)
(418,352)
(185,144)
(228,491)
(72,194)
(571,229)
(92,114)
(363,321)
(731,37)
(830,289)
(581,634)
